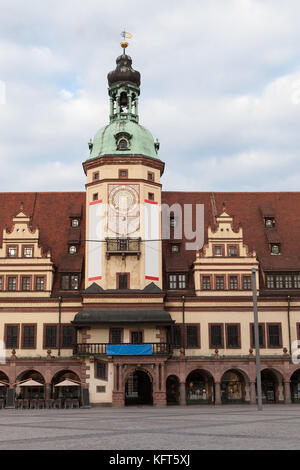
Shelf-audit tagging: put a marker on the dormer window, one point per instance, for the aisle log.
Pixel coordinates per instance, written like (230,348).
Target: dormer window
(72,249)
(275,249)
(27,252)
(269,222)
(12,251)
(232,250)
(218,250)
(75,223)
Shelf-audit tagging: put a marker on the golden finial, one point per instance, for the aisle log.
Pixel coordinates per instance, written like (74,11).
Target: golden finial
(124,44)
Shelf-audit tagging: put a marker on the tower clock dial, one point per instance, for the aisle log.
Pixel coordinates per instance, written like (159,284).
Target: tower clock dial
(123,204)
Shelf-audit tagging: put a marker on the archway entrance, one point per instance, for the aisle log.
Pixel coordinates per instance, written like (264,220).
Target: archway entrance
(138,389)
(295,387)
(269,386)
(233,387)
(199,388)
(172,386)
(30,385)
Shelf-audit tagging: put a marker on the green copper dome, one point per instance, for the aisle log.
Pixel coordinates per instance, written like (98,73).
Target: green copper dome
(137,140)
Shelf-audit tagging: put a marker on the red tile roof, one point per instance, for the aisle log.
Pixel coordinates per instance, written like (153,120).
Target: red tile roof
(51,213)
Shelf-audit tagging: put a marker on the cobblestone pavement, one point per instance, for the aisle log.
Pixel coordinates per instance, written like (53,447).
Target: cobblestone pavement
(141,428)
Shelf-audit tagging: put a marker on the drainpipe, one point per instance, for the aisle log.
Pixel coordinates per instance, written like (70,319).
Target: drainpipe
(289,323)
(183,323)
(59,323)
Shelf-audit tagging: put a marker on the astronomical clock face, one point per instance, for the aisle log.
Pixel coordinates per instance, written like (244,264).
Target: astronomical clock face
(123,209)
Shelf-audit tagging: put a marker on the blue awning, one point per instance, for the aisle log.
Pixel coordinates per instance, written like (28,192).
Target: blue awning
(129,349)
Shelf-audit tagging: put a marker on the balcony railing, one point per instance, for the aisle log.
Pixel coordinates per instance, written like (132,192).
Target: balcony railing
(100,349)
(123,246)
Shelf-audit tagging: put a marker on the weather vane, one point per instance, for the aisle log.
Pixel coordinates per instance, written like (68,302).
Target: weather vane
(124,43)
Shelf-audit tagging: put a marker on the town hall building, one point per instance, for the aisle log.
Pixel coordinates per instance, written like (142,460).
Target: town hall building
(99,307)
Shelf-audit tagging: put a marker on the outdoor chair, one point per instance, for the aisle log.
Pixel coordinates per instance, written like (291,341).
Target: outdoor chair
(34,404)
(25,404)
(68,403)
(49,403)
(57,403)
(75,402)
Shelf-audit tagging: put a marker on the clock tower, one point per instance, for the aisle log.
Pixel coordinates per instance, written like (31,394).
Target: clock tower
(123,192)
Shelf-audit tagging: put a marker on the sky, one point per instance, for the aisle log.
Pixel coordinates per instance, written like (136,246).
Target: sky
(220,89)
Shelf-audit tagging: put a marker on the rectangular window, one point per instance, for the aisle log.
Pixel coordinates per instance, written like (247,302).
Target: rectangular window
(233,283)
(233,337)
(220,282)
(177,336)
(261,334)
(25,283)
(177,281)
(175,249)
(40,283)
(100,389)
(232,250)
(270,281)
(206,283)
(297,281)
(27,252)
(12,337)
(218,250)
(216,336)
(172,281)
(12,251)
(1,283)
(274,335)
(101,370)
(192,336)
(95,197)
(150,176)
(247,283)
(12,283)
(50,336)
(181,281)
(115,336)
(28,336)
(123,281)
(70,282)
(96,175)
(150,197)
(137,337)
(123,174)
(67,336)
(288,281)
(279,282)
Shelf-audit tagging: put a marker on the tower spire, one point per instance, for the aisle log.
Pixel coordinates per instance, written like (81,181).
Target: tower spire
(124,87)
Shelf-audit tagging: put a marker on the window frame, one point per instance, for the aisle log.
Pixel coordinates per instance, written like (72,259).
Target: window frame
(125,176)
(112,330)
(6,326)
(30,283)
(177,281)
(105,364)
(279,334)
(252,337)
(8,277)
(45,326)
(221,325)
(15,247)
(197,326)
(238,325)
(29,325)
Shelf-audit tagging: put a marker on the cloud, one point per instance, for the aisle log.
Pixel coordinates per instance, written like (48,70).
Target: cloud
(220,89)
